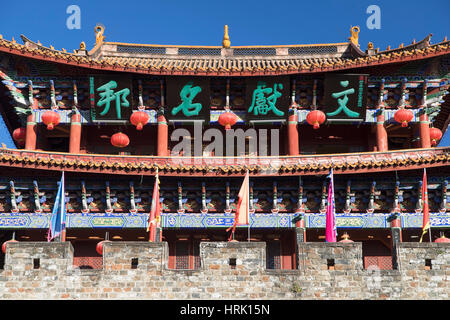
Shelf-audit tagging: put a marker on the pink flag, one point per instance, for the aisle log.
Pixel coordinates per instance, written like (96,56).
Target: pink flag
(426,207)
(330,228)
(154,212)
(241,216)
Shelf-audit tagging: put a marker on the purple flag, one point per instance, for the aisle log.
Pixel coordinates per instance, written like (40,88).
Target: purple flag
(330,228)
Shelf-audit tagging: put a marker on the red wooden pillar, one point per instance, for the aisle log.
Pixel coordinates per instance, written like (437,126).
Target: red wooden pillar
(396,225)
(382,142)
(396,235)
(30,137)
(300,230)
(163,136)
(425,141)
(293,134)
(75,133)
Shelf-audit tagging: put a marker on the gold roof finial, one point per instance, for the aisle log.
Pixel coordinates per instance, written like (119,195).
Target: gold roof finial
(370,46)
(226,39)
(99,37)
(82,46)
(354,35)
(345,236)
(401,45)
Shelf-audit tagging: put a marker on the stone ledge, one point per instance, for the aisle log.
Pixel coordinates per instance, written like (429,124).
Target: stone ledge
(423,245)
(232,245)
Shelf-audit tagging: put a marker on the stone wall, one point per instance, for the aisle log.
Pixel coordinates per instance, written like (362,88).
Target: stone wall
(229,270)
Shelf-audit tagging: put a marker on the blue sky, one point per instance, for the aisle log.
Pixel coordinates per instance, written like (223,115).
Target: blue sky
(200,22)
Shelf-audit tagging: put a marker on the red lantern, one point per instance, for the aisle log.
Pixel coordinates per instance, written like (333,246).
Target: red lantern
(435,135)
(442,239)
(51,119)
(403,116)
(19,135)
(139,119)
(120,140)
(4,244)
(99,247)
(228,119)
(316,118)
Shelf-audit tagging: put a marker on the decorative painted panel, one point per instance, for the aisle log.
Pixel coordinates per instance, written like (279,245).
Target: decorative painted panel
(219,220)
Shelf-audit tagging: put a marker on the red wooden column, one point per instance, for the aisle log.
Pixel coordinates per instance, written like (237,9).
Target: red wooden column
(75,132)
(396,223)
(382,142)
(293,134)
(425,141)
(30,137)
(163,136)
(396,238)
(300,230)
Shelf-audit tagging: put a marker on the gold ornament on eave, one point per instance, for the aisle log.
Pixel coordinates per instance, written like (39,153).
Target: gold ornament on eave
(99,37)
(354,35)
(226,39)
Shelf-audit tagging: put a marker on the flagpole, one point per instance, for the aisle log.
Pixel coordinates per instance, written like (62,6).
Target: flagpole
(426,211)
(63,232)
(63,207)
(248,205)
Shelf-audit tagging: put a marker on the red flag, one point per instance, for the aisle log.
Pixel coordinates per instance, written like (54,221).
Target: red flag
(241,216)
(426,208)
(154,212)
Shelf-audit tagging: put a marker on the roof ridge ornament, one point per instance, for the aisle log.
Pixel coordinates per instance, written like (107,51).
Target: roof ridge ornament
(99,37)
(226,39)
(354,35)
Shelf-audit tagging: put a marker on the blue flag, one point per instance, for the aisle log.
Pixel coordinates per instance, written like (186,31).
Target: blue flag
(58,218)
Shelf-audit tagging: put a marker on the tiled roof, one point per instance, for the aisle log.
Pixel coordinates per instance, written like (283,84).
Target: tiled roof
(203,61)
(215,166)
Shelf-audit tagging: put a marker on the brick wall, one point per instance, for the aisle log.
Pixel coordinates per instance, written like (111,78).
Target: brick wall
(229,270)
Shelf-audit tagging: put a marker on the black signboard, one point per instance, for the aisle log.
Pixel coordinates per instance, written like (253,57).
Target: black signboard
(268,98)
(345,97)
(111,98)
(188,99)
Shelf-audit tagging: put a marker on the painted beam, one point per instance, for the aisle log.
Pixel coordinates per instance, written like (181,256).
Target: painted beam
(216,220)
